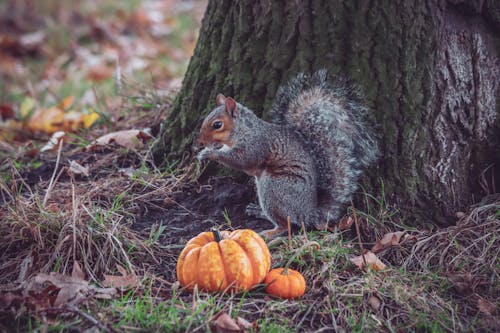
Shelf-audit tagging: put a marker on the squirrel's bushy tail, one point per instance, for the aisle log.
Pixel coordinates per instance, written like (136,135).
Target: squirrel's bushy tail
(331,119)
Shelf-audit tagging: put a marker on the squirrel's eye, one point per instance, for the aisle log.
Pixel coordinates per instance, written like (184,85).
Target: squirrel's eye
(217,124)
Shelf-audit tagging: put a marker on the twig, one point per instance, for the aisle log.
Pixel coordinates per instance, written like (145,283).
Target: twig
(85,315)
(306,314)
(306,238)
(289,232)
(49,188)
(73,215)
(304,230)
(358,233)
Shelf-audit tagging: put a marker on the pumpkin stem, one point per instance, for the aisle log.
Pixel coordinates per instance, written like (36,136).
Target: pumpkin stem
(296,254)
(217,235)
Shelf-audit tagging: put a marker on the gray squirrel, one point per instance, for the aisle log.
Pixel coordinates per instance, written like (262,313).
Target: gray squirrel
(307,161)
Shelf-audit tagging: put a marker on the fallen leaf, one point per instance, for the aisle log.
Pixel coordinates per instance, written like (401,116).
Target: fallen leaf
(371,260)
(72,121)
(123,281)
(26,107)
(374,302)
(77,271)
(66,103)
(486,307)
(99,72)
(244,324)
(33,40)
(90,118)
(6,112)
(346,223)
(389,239)
(53,142)
(78,169)
(71,289)
(131,139)
(46,120)
(223,323)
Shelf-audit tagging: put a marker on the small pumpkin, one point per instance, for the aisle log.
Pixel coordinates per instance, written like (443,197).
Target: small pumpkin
(216,261)
(285,283)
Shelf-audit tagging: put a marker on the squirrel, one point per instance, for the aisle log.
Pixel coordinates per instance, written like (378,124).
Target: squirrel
(306,161)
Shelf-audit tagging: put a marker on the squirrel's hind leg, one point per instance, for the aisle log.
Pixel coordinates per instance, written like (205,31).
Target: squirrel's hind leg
(272,233)
(256,211)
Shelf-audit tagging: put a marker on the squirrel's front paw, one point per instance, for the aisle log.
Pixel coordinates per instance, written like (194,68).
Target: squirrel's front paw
(204,154)
(254,210)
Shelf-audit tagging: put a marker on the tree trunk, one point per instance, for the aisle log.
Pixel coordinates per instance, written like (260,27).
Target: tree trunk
(429,71)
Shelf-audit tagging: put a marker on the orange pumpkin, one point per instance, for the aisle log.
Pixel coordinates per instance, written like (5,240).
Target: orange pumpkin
(217,261)
(285,283)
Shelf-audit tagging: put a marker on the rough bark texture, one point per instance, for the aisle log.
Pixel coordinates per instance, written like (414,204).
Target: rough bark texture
(429,71)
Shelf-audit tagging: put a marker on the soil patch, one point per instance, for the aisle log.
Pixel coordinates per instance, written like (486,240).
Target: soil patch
(198,207)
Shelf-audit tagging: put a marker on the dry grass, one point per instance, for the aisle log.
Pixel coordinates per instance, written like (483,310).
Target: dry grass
(88,222)
(433,284)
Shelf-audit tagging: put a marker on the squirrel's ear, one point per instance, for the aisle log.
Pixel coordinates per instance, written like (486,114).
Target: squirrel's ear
(221,99)
(230,107)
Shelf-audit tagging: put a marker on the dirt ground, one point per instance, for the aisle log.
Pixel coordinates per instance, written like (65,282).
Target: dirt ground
(195,208)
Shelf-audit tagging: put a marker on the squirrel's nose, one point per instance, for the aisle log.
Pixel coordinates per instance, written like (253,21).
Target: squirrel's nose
(200,142)
(197,146)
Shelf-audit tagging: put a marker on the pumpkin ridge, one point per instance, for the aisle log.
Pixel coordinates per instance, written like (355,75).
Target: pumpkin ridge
(194,281)
(250,261)
(231,243)
(265,250)
(256,262)
(223,266)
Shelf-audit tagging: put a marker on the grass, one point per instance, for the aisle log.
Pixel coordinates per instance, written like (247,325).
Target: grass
(435,283)
(414,294)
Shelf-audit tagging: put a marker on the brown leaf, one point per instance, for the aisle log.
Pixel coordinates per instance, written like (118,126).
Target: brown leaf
(486,307)
(71,288)
(371,259)
(244,324)
(374,302)
(78,169)
(125,281)
(6,112)
(46,120)
(77,271)
(389,239)
(224,323)
(346,223)
(99,72)
(131,139)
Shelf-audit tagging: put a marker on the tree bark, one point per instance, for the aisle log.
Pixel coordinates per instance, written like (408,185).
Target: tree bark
(428,69)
